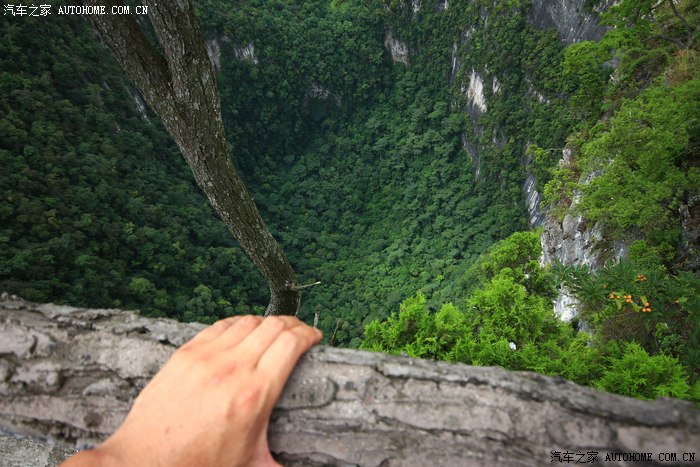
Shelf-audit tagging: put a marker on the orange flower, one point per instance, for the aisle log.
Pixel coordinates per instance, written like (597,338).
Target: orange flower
(612,295)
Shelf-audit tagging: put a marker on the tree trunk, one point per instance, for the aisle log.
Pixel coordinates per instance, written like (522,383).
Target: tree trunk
(179,84)
(72,374)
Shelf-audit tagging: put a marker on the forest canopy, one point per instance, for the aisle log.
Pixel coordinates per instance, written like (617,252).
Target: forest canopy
(380,177)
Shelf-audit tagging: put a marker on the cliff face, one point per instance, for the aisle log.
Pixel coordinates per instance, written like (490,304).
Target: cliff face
(570,241)
(571,19)
(71,374)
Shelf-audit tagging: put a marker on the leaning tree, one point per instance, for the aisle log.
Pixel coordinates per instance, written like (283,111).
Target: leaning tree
(178,81)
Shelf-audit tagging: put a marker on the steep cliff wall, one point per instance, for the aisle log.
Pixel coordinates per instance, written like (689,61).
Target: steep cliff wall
(572,20)
(573,241)
(71,374)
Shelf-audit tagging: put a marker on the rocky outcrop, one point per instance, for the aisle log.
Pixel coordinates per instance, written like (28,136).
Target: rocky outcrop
(139,104)
(214,53)
(246,53)
(571,19)
(26,452)
(70,374)
(689,250)
(573,241)
(476,101)
(317,91)
(397,48)
(532,201)
(415,6)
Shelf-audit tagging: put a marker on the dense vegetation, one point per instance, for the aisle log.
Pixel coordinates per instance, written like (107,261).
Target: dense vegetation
(634,162)
(360,167)
(630,347)
(98,208)
(375,197)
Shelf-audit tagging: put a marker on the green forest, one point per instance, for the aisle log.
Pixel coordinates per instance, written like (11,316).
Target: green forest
(380,179)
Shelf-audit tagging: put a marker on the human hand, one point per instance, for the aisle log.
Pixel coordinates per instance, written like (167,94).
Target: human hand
(210,404)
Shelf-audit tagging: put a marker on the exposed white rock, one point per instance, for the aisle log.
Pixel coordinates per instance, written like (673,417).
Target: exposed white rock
(689,250)
(456,61)
(397,49)
(495,85)
(572,20)
(475,92)
(541,98)
(140,104)
(469,32)
(246,53)
(316,91)
(442,5)
(532,201)
(565,305)
(415,4)
(573,242)
(214,52)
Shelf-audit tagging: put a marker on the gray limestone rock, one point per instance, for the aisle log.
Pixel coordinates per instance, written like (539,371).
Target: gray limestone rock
(73,381)
(572,21)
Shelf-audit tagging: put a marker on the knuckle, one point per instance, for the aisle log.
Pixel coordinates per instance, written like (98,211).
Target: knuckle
(249,321)
(275,322)
(288,338)
(247,399)
(221,324)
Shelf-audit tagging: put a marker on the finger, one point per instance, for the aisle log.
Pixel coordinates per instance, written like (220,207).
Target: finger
(237,332)
(256,343)
(278,361)
(212,332)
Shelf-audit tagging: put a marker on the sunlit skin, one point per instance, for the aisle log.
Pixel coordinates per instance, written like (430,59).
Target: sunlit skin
(210,404)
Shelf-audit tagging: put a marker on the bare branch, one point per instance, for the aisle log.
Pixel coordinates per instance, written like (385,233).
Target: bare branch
(298,288)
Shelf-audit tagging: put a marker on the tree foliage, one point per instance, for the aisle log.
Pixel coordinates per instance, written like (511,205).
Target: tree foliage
(377,179)
(508,322)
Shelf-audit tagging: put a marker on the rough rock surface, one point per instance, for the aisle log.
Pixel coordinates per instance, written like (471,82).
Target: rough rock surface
(398,49)
(246,53)
(573,241)
(689,251)
(70,374)
(214,52)
(573,22)
(535,216)
(18,452)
